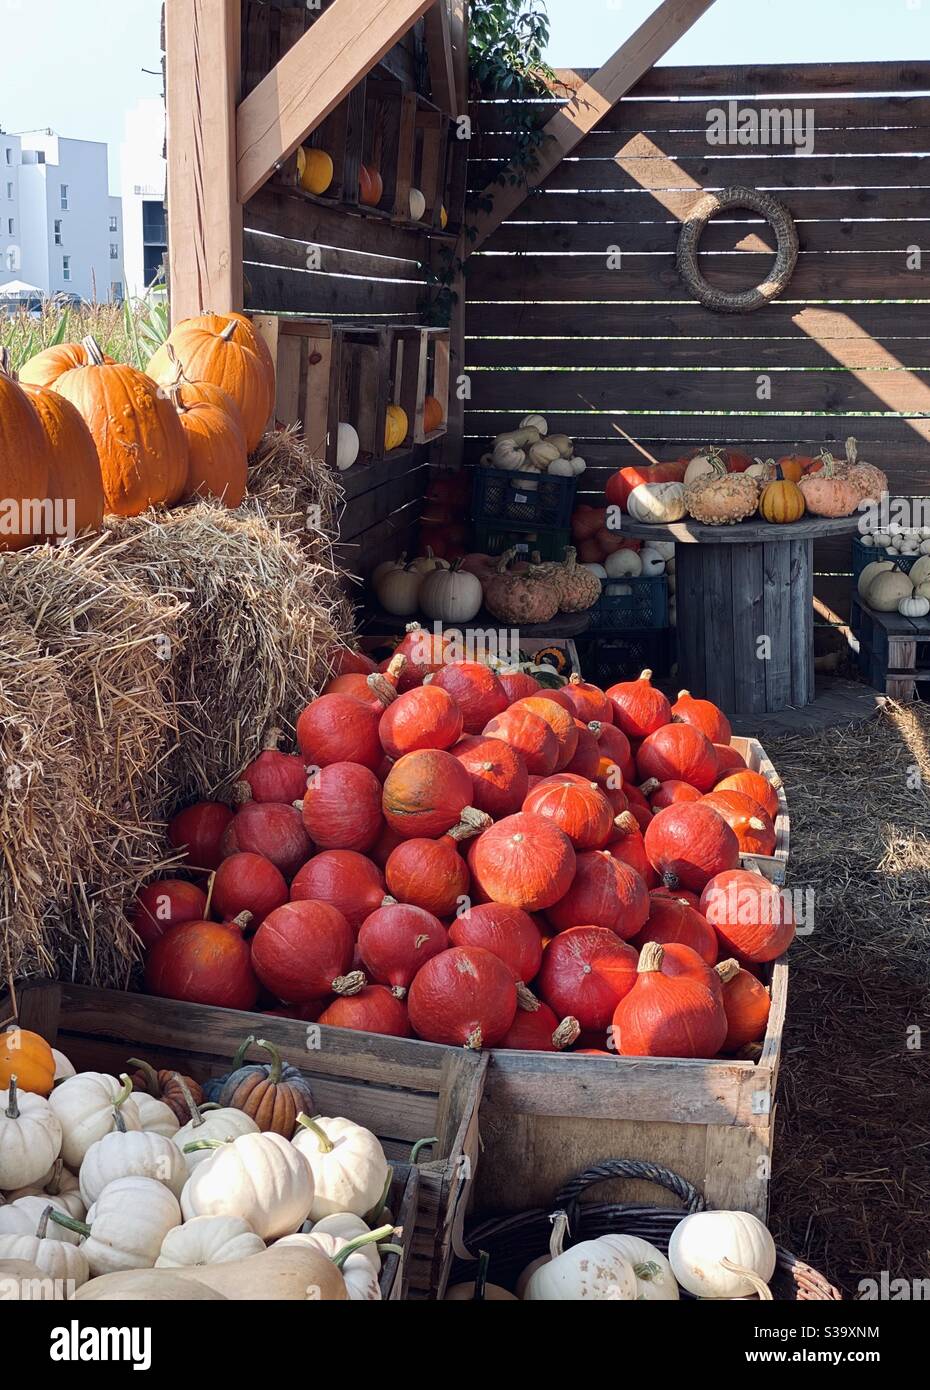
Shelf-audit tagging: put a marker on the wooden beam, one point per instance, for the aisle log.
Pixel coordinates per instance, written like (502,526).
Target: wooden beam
(590,102)
(312,78)
(439,53)
(202,40)
(458,31)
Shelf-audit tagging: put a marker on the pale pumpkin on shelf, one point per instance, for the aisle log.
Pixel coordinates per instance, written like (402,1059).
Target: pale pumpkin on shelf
(451,595)
(398,591)
(657,503)
(887,589)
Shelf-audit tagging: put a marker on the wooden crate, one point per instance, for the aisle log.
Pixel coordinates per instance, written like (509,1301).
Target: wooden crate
(303,354)
(773,866)
(421,369)
(402,1090)
(547,1115)
(402,1204)
(360,385)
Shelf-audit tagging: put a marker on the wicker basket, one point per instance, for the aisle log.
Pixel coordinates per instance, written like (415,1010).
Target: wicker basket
(513,1241)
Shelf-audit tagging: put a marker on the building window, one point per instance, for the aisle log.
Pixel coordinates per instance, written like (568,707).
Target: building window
(66,267)
(114,251)
(57,227)
(9,190)
(9,226)
(116,289)
(64,197)
(9,154)
(114,225)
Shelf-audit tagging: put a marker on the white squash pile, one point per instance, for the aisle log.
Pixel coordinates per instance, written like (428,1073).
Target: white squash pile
(885,588)
(443,591)
(712,1255)
(655,558)
(530,448)
(117,1200)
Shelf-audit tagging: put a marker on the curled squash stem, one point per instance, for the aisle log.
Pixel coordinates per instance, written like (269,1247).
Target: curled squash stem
(196,1144)
(69,1222)
(12,1109)
(241,1050)
(323,1139)
(371,1218)
(275,1065)
(124,1094)
(421,1144)
(193,1107)
(149,1072)
(750,1275)
(369,1238)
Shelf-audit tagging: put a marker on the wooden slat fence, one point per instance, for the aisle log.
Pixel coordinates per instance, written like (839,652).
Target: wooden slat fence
(555,324)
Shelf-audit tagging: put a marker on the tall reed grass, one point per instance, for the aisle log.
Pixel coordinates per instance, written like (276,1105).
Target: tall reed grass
(128,332)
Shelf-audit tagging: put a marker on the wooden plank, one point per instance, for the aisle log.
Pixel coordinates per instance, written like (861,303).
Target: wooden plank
(263,249)
(774,172)
(758,80)
(700,143)
(311,79)
(570,124)
(274,290)
(438,34)
(738,1165)
(385,540)
(362,477)
(689,578)
(202,39)
(458,33)
(374,506)
(290,212)
(802,623)
(736,389)
(746,605)
(670,432)
(777,617)
(721,654)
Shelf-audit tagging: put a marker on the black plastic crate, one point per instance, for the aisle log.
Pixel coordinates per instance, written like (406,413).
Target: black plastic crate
(863,555)
(550,544)
(631,604)
(522,499)
(623,655)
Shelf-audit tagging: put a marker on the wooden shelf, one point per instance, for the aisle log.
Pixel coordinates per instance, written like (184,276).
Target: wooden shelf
(375,619)
(743,532)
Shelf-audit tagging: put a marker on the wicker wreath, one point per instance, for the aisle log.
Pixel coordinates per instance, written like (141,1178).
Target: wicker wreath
(782,224)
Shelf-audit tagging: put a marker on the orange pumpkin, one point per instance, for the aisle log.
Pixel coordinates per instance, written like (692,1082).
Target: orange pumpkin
(28,1057)
(140,441)
(222,349)
(217,459)
(370,186)
(794,466)
(74,468)
(47,366)
(24,460)
(432,415)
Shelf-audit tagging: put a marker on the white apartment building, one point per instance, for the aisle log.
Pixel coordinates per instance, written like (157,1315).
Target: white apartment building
(144,175)
(60,229)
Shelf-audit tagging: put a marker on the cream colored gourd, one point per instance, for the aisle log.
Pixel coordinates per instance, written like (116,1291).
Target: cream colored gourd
(886,590)
(451,595)
(559,1221)
(623,564)
(30,1137)
(58,1184)
(507,456)
(346,1225)
(155,1117)
(208,1240)
(722,1254)
(561,468)
(126,1225)
(350,1171)
(223,1124)
(565,446)
(21,1217)
(535,422)
(361,1280)
(923,590)
(657,503)
(294,1273)
(599,571)
(131,1154)
(146,1286)
(578,465)
(84,1106)
(398,591)
(875,567)
(666,549)
(651,561)
(260,1177)
(417,203)
(347,445)
(63,1068)
(386,566)
(919,571)
(543,454)
(763,470)
(590,1271)
(706,465)
(57,1259)
(525,435)
(426,564)
(914,606)
(655,1281)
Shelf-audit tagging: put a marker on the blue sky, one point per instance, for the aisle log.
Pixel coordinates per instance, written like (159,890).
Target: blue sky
(79,63)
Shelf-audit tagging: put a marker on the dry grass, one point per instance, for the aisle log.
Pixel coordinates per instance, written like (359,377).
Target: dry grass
(851,1181)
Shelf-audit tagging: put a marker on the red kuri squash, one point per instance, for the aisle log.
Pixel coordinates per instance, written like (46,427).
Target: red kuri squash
(426,717)
(638,708)
(689,843)
(752,784)
(586,761)
(678,752)
(588,702)
(668,1015)
(524,861)
(539,1030)
(203,963)
(199,829)
(465,997)
(728,760)
(432,873)
(746,1004)
(271,829)
(751,825)
(585,973)
(275,776)
(304,951)
(373,1010)
(703,715)
(673,920)
(248,882)
(529,734)
(560,720)
(343,878)
(166,903)
(340,729)
(498,773)
(578,807)
(518,684)
(629,847)
(396,940)
(475,689)
(342,808)
(605,892)
(662,794)
(507,932)
(425,793)
(752,916)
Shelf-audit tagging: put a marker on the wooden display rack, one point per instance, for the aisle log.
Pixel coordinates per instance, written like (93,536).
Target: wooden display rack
(421,369)
(302,351)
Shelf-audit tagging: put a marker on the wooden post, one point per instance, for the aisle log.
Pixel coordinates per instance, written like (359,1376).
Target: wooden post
(202,46)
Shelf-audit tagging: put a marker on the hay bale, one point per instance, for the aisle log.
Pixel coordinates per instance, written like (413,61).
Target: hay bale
(88,721)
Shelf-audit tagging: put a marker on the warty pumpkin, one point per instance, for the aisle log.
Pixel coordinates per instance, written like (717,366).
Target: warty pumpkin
(222,349)
(722,501)
(25,461)
(140,442)
(828,493)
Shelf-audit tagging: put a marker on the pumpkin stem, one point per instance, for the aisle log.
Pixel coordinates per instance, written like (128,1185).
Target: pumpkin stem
(241,793)
(242,921)
(196,1144)
(420,1144)
(526,999)
(645,675)
(481,1277)
(326,1144)
(568,1032)
(369,1238)
(70,1224)
(594,727)
(229,330)
(210,882)
(241,1051)
(274,1068)
(196,1117)
(150,1074)
(475,1039)
(651,785)
(353,983)
(559,1221)
(379,684)
(94,351)
(12,1109)
(272,739)
(371,1218)
(53,1186)
(727,970)
(750,1275)
(124,1095)
(472,823)
(626,823)
(42,1227)
(650,958)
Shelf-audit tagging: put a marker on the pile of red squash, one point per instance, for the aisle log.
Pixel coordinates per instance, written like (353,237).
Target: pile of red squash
(471,859)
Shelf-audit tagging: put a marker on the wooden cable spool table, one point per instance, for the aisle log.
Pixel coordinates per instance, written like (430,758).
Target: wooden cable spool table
(745,608)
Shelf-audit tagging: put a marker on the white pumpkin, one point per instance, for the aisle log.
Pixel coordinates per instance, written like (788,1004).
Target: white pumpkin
(63,1068)
(920,571)
(867,541)
(224,1124)
(923,590)
(591,1271)
(59,1185)
(417,202)
(425,564)
(655,1281)
(451,595)
(350,1256)
(651,560)
(623,564)
(708,465)
(56,1258)
(722,1254)
(30,1137)
(578,465)
(543,454)
(535,422)
(561,468)
(85,1106)
(131,1154)
(914,606)
(924,548)
(22,1217)
(347,1226)
(260,1177)
(657,503)
(398,591)
(347,445)
(665,548)
(887,589)
(386,566)
(127,1224)
(599,571)
(350,1171)
(208,1240)
(882,539)
(506,455)
(155,1116)
(562,442)
(873,568)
